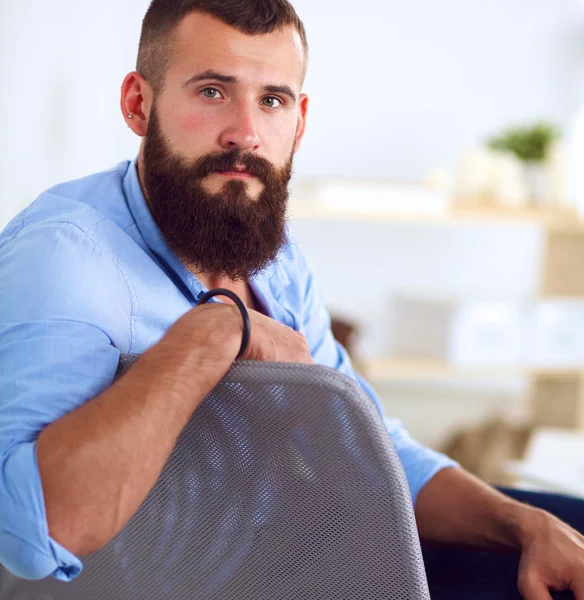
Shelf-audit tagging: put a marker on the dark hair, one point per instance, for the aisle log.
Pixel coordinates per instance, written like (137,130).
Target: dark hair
(254,17)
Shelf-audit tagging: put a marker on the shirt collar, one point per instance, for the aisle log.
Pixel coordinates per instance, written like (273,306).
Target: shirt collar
(273,277)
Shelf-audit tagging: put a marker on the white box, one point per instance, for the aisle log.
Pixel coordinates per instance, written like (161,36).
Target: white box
(487,333)
(554,334)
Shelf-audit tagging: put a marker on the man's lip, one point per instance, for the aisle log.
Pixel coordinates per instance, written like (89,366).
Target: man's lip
(241,174)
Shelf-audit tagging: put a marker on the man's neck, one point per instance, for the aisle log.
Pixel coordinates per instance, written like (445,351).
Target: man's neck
(241,288)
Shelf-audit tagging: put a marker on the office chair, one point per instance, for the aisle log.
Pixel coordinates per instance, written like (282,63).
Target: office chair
(284,485)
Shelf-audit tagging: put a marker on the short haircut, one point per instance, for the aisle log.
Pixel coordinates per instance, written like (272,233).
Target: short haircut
(254,17)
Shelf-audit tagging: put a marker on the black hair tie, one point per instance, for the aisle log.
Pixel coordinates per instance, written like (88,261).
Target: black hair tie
(242,309)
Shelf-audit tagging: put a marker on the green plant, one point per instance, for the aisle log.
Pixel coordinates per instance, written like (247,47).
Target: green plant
(530,143)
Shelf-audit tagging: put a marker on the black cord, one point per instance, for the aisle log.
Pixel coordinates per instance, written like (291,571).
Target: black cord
(242,309)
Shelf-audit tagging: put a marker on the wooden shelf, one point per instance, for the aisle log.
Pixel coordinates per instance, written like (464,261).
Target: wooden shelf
(556,395)
(421,369)
(553,219)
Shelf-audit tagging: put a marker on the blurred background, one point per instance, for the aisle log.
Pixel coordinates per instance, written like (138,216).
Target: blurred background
(438,195)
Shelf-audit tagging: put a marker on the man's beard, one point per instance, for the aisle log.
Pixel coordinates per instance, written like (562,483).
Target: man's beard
(227,233)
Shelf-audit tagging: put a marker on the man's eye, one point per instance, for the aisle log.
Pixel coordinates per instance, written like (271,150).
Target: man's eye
(272,102)
(211,93)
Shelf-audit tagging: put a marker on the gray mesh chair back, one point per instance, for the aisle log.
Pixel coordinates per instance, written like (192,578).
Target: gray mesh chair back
(283,486)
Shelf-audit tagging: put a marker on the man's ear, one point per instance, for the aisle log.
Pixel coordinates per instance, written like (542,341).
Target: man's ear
(301,127)
(136,102)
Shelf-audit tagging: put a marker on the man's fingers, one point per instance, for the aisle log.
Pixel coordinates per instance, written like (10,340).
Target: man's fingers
(531,587)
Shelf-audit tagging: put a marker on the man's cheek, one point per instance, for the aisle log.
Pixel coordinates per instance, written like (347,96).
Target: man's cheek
(206,126)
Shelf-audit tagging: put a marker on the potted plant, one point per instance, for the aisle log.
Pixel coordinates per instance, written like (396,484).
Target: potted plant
(532,145)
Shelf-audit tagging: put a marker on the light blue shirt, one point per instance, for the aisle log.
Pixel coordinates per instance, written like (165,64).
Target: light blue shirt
(86,275)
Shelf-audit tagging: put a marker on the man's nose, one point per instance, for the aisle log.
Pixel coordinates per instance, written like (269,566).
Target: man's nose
(242,131)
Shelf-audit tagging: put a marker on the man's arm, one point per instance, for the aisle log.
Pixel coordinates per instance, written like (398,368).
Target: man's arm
(99,462)
(457,508)
(78,457)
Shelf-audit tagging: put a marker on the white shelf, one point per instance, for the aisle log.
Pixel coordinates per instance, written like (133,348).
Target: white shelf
(388,369)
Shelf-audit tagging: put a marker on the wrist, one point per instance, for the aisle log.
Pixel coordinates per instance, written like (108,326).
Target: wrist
(521,524)
(226,338)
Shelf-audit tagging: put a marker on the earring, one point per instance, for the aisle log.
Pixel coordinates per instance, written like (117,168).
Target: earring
(130,116)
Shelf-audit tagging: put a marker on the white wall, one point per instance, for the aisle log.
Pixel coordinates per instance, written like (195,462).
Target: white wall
(399,87)
(62,64)
(396,87)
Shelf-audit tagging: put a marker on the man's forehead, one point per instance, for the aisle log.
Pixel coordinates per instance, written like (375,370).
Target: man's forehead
(202,42)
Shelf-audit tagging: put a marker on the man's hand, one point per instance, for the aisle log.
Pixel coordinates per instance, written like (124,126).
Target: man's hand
(218,327)
(455,507)
(271,341)
(552,556)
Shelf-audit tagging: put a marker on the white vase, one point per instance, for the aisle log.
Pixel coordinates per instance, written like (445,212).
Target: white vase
(536,181)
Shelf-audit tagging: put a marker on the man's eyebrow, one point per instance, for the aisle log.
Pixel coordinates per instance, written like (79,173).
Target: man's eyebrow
(271,89)
(210,75)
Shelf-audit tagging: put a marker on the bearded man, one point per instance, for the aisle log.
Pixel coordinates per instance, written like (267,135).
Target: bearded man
(117,263)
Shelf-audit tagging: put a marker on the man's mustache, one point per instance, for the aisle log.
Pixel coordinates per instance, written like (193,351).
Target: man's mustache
(257,166)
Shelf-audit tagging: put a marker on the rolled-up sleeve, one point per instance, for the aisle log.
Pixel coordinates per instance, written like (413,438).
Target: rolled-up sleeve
(26,548)
(53,358)
(419,462)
